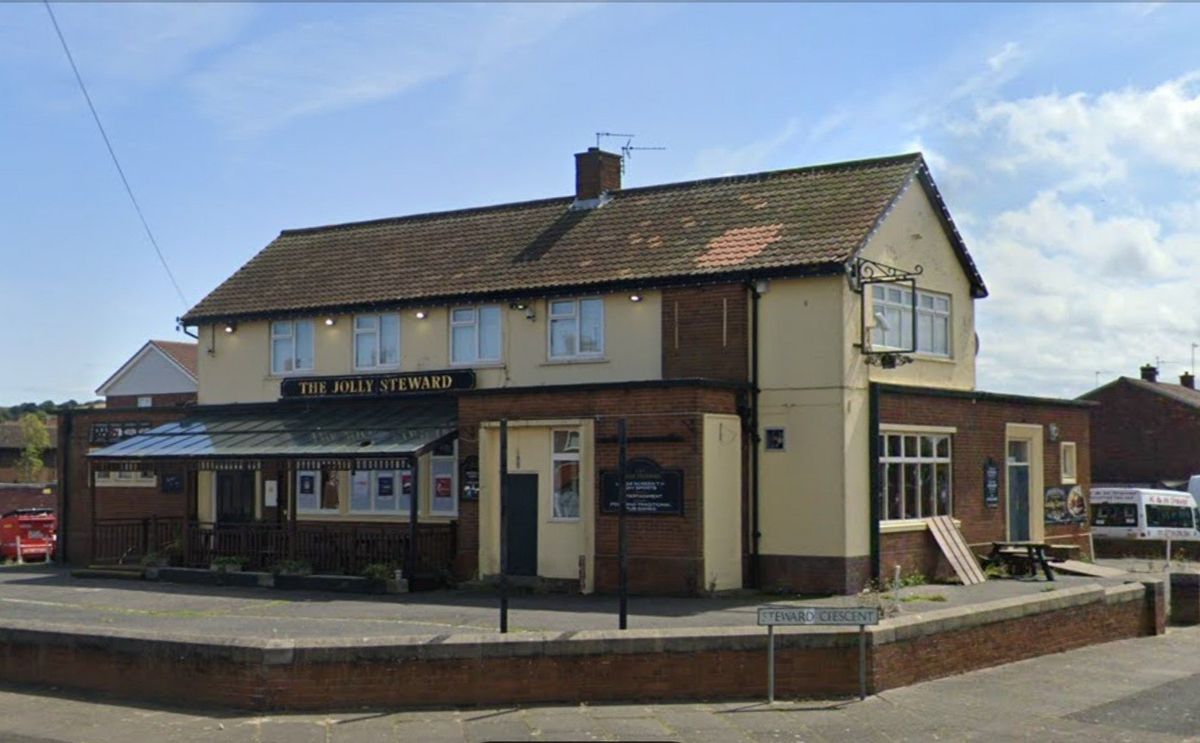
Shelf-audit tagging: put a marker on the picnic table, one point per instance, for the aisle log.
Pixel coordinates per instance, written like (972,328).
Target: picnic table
(1035,552)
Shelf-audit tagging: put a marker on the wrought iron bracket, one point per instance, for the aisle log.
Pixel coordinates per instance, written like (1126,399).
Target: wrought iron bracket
(862,272)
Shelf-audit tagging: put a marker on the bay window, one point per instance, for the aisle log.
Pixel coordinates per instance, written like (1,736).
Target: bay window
(291,346)
(376,341)
(914,475)
(475,334)
(576,328)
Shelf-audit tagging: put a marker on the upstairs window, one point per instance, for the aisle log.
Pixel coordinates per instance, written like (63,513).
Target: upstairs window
(291,346)
(376,341)
(576,328)
(893,310)
(475,334)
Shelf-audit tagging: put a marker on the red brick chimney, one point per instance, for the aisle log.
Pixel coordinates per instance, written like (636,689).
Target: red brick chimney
(1187,379)
(1150,373)
(596,171)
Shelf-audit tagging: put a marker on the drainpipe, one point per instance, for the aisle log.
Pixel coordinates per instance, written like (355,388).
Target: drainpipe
(755,534)
(63,456)
(876,486)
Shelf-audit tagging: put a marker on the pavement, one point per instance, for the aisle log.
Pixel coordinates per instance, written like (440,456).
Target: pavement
(49,596)
(1145,689)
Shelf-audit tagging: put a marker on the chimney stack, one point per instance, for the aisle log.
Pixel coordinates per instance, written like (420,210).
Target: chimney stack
(1187,379)
(1150,373)
(596,172)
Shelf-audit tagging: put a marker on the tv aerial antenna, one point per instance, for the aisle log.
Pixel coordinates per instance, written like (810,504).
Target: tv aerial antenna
(628,148)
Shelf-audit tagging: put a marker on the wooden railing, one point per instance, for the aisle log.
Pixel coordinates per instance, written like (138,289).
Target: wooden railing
(326,547)
(126,541)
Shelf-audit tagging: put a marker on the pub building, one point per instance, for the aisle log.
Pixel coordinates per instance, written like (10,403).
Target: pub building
(792,354)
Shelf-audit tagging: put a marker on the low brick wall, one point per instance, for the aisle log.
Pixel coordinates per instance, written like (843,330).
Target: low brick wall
(591,666)
(1146,549)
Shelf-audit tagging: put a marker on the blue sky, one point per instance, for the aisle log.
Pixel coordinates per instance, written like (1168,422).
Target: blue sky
(1066,139)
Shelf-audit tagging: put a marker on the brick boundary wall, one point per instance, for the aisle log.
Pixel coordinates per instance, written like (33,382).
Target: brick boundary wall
(1146,549)
(594,666)
(27,496)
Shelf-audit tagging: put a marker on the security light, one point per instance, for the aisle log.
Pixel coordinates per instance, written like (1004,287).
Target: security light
(329,321)
(230,327)
(422,314)
(635,297)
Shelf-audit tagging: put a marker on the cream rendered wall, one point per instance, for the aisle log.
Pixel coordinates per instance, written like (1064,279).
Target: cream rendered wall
(560,543)
(235,367)
(801,337)
(722,502)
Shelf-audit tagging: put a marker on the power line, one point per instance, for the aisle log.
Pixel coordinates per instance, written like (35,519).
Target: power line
(112,153)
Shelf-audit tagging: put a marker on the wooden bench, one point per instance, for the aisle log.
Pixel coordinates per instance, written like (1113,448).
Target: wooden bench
(1009,552)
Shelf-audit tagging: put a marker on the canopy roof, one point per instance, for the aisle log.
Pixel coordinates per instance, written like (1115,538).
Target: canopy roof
(328,431)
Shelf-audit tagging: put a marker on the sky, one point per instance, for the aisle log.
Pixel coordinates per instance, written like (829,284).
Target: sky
(1065,139)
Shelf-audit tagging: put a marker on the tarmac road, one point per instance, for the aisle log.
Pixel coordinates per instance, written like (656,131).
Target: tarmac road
(1146,689)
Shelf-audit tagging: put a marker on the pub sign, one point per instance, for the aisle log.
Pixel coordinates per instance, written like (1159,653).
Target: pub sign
(991,484)
(379,385)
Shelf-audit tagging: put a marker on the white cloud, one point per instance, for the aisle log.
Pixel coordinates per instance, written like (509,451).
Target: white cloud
(320,67)
(717,161)
(1010,51)
(1094,138)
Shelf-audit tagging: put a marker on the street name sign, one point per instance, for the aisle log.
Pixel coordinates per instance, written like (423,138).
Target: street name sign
(851,616)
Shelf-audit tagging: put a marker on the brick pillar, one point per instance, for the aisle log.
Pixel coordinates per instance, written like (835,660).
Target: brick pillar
(1185,598)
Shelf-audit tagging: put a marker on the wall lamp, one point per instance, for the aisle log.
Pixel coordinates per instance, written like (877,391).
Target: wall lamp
(635,297)
(230,327)
(329,321)
(422,314)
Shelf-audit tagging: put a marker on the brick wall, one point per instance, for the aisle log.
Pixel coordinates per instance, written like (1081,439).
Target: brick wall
(1142,437)
(165,400)
(76,507)
(27,496)
(606,666)
(706,333)
(665,552)
(980,421)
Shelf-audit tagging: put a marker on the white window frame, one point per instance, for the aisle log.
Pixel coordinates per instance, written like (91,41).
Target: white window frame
(1070,475)
(475,323)
(452,458)
(377,332)
(126,479)
(903,309)
(274,335)
(904,460)
(145,401)
(575,314)
(373,494)
(555,459)
(320,486)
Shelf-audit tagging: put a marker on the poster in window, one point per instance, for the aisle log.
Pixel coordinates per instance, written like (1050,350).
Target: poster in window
(386,485)
(308,485)
(443,492)
(360,491)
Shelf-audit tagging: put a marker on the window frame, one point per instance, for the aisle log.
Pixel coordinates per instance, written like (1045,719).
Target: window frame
(906,305)
(319,483)
(355,332)
(904,461)
(566,457)
(1070,476)
(577,316)
(476,322)
(401,509)
(452,458)
(145,401)
(291,336)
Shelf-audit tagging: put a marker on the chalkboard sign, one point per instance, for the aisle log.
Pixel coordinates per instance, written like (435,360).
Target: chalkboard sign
(991,484)
(469,479)
(649,490)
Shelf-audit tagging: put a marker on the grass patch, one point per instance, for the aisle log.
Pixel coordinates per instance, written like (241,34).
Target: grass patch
(922,597)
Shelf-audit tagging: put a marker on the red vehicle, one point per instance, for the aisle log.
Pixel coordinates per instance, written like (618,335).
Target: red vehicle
(28,533)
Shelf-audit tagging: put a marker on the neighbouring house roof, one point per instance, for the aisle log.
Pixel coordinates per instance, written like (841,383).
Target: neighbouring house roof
(347,430)
(181,356)
(1177,392)
(11,438)
(788,222)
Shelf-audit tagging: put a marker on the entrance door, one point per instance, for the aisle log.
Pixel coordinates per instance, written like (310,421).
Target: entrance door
(1018,490)
(522,547)
(235,497)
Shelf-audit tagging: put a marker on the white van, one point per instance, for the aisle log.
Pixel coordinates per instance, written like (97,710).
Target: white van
(1142,513)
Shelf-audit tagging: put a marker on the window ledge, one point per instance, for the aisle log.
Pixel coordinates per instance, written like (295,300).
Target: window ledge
(576,360)
(477,365)
(898,526)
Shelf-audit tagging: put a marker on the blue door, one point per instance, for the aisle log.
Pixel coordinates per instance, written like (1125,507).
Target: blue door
(1018,490)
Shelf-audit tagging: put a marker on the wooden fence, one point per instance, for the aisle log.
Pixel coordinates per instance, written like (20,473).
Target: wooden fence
(126,541)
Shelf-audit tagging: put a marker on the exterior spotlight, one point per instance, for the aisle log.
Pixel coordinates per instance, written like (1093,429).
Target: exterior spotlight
(517,305)
(329,322)
(230,327)
(635,297)
(421,314)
